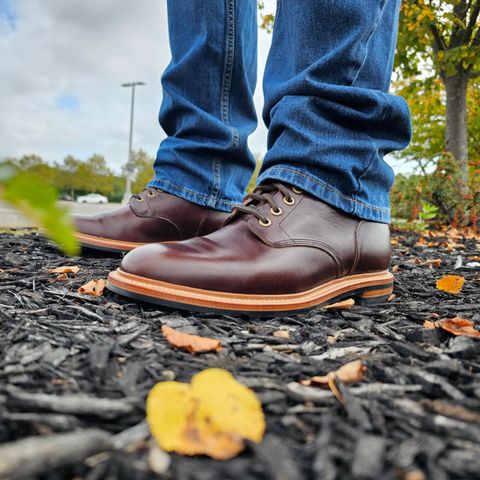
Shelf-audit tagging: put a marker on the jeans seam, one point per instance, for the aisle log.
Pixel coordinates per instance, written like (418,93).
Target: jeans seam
(377,21)
(192,192)
(228,73)
(225,96)
(229,59)
(326,186)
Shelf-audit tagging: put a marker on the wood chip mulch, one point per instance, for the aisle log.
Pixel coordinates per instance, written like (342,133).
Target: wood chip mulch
(75,371)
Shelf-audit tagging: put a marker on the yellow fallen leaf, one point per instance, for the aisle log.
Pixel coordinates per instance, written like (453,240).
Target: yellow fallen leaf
(450,284)
(281,334)
(343,305)
(232,408)
(190,343)
(93,287)
(66,269)
(351,372)
(213,415)
(169,408)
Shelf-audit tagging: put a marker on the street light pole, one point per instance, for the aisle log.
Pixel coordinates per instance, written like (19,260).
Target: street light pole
(129,168)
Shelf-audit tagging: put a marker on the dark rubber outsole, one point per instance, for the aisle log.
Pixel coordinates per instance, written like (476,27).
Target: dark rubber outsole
(86,246)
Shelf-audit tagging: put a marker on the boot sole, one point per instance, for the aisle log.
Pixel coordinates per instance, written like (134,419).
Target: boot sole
(364,288)
(105,244)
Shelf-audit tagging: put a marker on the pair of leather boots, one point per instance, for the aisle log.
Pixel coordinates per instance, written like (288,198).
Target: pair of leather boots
(281,251)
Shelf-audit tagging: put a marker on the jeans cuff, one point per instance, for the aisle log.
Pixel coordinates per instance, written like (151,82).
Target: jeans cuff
(327,193)
(205,200)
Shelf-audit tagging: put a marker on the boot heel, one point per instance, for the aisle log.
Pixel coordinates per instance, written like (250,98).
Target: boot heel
(372,297)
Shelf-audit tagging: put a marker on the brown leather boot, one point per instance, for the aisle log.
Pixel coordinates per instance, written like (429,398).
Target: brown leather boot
(281,251)
(151,216)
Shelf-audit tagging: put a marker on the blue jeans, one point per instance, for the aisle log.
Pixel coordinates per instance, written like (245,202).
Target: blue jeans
(330,117)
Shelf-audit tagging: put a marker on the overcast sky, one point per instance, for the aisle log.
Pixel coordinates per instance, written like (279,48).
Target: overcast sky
(61,66)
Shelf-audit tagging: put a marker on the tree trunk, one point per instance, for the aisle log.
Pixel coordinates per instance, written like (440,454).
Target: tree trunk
(456,136)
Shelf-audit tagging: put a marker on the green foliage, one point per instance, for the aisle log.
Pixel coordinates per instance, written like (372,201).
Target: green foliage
(143,165)
(442,33)
(268,19)
(28,193)
(428,212)
(72,176)
(426,100)
(253,181)
(77,176)
(442,189)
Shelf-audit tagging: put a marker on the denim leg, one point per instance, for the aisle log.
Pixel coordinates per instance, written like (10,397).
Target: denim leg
(207,109)
(331,119)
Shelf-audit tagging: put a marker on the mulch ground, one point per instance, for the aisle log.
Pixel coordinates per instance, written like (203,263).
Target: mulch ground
(75,371)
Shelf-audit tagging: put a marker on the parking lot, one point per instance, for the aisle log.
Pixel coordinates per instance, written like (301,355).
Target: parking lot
(10,218)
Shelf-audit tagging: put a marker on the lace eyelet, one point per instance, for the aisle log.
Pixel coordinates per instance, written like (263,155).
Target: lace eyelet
(297,190)
(151,194)
(265,224)
(139,199)
(289,201)
(276,212)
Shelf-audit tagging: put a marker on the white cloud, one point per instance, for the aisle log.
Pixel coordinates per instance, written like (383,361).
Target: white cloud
(85,50)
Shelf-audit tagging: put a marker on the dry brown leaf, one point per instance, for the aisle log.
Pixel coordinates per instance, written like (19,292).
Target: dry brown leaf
(475,258)
(421,242)
(343,305)
(435,262)
(416,474)
(455,326)
(451,410)
(429,325)
(351,372)
(66,269)
(190,343)
(450,284)
(93,287)
(459,326)
(282,334)
(63,277)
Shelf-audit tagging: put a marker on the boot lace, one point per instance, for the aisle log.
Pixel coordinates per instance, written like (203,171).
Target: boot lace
(262,194)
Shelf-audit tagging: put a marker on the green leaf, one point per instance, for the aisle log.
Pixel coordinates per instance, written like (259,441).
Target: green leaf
(38,201)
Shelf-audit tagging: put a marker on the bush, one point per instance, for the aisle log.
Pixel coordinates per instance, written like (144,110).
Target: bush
(443,189)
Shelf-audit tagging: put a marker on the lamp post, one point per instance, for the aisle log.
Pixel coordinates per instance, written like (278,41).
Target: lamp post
(129,168)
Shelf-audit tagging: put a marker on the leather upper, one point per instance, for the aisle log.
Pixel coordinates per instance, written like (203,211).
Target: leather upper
(152,216)
(308,244)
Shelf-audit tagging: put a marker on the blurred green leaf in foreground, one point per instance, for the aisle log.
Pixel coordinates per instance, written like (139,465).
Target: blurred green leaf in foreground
(38,201)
